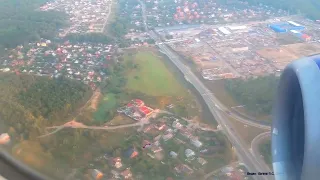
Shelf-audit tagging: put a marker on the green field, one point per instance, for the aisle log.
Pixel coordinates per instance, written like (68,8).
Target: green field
(153,77)
(106,107)
(265,150)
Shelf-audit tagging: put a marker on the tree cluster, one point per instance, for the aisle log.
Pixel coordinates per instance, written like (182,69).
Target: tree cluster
(255,93)
(90,38)
(49,98)
(265,150)
(20,22)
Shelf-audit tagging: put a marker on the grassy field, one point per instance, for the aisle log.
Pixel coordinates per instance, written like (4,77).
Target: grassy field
(120,120)
(265,150)
(152,77)
(108,103)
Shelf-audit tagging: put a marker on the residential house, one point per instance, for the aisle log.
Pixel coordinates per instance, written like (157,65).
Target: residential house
(157,137)
(186,133)
(167,136)
(126,174)
(156,143)
(138,102)
(131,152)
(189,153)
(146,144)
(169,130)
(116,162)
(227,169)
(173,154)
(201,161)
(196,142)
(96,174)
(148,128)
(177,125)
(183,168)
(156,149)
(161,126)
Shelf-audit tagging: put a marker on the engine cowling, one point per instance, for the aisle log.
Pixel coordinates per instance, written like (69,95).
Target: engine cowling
(296,122)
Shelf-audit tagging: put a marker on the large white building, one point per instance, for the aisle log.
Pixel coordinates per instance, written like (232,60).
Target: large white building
(224,30)
(233,28)
(294,23)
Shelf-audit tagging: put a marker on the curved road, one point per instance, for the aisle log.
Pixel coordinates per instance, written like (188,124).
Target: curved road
(255,145)
(224,109)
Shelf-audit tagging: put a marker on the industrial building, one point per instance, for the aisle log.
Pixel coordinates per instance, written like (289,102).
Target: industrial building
(301,35)
(286,26)
(234,28)
(294,24)
(224,30)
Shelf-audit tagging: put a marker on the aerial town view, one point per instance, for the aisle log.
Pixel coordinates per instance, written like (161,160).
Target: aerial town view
(146,89)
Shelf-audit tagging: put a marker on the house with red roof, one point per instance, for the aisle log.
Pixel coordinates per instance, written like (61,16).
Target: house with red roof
(126,174)
(161,126)
(146,111)
(132,152)
(148,128)
(116,162)
(235,176)
(129,105)
(138,102)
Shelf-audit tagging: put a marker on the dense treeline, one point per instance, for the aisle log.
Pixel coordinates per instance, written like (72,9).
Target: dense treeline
(90,37)
(29,103)
(255,93)
(265,150)
(20,22)
(49,97)
(308,7)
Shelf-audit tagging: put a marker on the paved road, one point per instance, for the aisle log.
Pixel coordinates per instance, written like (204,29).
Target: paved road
(107,19)
(224,110)
(255,146)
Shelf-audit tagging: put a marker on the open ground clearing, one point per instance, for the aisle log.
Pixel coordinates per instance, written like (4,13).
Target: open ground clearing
(152,77)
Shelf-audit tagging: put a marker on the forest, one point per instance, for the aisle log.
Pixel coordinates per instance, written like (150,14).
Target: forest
(255,93)
(21,22)
(30,103)
(53,98)
(310,8)
(89,38)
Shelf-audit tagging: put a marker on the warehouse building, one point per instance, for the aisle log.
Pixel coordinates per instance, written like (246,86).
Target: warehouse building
(224,30)
(285,27)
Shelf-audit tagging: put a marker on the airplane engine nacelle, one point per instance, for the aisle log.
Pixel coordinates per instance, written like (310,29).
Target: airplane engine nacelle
(296,122)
